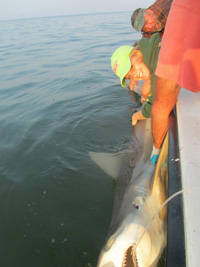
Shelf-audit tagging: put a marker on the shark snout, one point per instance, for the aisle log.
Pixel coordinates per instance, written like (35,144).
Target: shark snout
(122,250)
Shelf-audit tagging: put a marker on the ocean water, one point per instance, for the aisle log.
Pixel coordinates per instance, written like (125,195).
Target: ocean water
(59,99)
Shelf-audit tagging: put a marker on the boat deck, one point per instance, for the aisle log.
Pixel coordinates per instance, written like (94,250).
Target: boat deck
(188,117)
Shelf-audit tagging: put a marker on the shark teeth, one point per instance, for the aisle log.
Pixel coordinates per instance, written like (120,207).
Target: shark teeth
(128,260)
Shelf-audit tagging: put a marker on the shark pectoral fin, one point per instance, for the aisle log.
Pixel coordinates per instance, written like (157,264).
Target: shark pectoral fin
(160,179)
(112,164)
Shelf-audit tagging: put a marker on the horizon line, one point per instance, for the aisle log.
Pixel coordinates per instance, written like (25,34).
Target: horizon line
(63,15)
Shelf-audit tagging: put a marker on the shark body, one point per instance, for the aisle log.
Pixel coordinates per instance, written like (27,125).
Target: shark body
(137,234)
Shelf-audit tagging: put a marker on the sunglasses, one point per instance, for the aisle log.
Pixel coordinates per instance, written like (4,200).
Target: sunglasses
(149,34)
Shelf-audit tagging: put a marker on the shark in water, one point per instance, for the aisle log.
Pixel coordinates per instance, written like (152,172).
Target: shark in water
(137,235)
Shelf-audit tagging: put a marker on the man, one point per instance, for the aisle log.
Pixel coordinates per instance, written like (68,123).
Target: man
(178,65)
(151,20)
(139,63)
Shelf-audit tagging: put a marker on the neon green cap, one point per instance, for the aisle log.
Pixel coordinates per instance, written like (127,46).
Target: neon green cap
(120,62)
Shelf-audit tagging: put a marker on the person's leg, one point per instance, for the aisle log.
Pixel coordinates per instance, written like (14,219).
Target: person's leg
(166,94)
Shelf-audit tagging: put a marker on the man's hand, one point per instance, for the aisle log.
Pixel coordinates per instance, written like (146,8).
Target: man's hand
(134,119)
(132,84)
(143,99)
(137,116)
(154,155)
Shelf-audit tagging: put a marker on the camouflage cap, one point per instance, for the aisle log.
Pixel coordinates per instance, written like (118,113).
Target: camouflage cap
(138,19)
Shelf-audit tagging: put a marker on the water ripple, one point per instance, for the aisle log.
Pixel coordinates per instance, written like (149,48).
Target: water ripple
(59,99)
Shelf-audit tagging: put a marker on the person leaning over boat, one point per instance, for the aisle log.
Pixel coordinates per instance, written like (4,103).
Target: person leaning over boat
(178,65)
(153,19)
(138,63)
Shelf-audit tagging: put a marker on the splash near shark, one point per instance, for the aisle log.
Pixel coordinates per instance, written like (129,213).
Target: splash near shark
(137,234)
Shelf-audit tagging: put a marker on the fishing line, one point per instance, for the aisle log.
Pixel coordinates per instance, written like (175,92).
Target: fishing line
(166,201)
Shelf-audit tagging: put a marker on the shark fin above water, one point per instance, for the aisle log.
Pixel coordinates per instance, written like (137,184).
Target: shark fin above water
(111,163)
(114,164)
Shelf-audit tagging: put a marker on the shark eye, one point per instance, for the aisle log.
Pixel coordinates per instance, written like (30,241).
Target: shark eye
(138,202)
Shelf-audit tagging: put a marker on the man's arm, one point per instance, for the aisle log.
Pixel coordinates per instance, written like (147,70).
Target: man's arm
(166,94)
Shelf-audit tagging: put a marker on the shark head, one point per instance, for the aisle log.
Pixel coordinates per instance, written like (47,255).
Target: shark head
(123,252)
(137,234)
(136,243)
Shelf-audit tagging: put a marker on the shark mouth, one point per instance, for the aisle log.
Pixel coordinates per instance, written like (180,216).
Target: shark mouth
(130,257)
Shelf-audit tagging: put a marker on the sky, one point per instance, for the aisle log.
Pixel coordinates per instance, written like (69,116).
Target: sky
(18,9)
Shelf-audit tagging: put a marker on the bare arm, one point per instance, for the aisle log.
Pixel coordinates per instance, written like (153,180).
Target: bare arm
(166,94)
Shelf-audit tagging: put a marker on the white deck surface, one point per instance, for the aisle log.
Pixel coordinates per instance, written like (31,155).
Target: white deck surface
(188,113)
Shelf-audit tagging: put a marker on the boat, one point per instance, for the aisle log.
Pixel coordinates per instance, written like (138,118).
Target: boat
(184,173)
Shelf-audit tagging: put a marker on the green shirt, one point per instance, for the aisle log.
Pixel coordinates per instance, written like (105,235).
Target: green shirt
(150,50)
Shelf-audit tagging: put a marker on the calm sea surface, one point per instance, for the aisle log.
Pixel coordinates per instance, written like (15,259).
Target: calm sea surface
(59,99)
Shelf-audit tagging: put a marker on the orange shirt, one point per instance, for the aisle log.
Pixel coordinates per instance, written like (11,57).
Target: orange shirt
(179,56)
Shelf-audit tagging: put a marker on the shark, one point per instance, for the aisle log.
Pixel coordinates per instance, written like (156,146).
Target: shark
(137,233)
